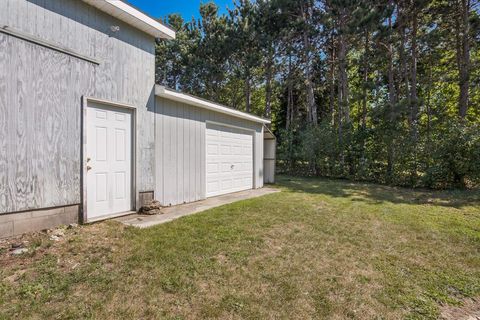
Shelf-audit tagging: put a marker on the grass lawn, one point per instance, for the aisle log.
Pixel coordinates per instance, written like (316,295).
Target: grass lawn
(319,249)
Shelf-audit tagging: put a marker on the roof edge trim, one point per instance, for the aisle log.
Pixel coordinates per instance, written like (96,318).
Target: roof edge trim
(134,17)
(161,91)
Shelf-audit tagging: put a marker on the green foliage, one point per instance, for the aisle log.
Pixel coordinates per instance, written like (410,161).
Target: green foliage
(386,78)
(455,158)
(448,159)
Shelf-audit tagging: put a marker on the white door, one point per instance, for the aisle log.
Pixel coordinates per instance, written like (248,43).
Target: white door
(229,160)
(109,160)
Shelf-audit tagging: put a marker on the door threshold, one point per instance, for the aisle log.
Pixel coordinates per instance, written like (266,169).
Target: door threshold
(110,216)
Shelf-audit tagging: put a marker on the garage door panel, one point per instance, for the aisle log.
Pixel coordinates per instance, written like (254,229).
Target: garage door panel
(225,150)
(229,160)
(225,133)
(226,167)
(237,150)
(212,149)
(226,184)
(213,185)
(239,182)
(212,167)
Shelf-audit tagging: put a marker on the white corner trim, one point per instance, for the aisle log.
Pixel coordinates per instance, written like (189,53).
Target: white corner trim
(161,91)
(134,17)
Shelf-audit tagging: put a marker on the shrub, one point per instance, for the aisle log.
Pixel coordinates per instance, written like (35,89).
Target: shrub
(451,158)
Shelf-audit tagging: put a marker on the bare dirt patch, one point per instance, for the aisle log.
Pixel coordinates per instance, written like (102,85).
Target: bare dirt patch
(69,245)
(469,310)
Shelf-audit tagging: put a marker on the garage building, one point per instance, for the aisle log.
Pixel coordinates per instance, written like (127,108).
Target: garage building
(204,149)
(86,134)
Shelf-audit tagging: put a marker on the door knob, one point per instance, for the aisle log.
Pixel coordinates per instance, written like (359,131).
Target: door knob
(88,159)
(89,168)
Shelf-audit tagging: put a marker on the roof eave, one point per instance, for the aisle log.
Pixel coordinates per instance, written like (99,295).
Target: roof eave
(170,94)
(133,17)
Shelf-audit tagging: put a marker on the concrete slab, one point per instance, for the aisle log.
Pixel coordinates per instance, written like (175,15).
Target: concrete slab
(175,212)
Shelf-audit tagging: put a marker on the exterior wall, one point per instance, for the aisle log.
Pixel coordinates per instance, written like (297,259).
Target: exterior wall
(41,91)
(269,154)
(180,150)
(22,222)
(258,157)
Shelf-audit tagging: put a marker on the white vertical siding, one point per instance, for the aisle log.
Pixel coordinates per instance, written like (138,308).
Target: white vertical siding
(180,150)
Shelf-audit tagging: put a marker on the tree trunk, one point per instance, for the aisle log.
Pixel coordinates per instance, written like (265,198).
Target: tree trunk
(413,85)
(268,84)
(463,57)
(343,106)
(403,58)
(413,95)
(392,100)
(248,98)
(289,94)
(332,80)
(312,107)
(365,80)
(429,118)
(311,104)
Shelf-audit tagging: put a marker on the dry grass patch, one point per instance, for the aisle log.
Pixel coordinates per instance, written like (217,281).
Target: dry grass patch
(468,310)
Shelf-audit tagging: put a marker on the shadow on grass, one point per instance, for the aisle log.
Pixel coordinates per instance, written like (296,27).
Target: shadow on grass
(378,194)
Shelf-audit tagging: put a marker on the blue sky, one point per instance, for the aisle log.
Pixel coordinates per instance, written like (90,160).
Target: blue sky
(187,8)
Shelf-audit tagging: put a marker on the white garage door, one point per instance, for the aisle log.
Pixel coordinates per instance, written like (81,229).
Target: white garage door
(109,160)
(229,160)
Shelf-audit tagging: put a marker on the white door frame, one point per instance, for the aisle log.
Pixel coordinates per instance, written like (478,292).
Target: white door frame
(83,155)
(252,131)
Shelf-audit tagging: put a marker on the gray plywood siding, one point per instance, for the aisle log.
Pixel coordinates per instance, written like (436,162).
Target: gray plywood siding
(41,90)
(180,150)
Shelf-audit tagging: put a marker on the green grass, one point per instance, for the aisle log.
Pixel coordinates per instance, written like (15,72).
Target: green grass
(319,249)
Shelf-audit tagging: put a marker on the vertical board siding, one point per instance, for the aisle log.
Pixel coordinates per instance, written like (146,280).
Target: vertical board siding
(180,155)
(180,150)
(160,155)
(5,192)
(40,107)
(169,156)
(198,147)
(192,155)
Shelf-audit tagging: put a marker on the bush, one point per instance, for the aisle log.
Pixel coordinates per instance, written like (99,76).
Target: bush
(455,158)
(451,158)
